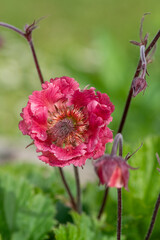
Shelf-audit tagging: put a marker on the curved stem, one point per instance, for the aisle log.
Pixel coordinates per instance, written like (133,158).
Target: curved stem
(118,140)
(157,205)
(6,25)
(28,37)
(79,206)
(129,98)
(68,189)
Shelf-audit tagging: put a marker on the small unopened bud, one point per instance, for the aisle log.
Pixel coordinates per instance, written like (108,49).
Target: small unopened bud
(139,84)
(113,171)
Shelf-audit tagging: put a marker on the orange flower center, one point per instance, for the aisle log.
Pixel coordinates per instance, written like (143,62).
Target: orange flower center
(67,126)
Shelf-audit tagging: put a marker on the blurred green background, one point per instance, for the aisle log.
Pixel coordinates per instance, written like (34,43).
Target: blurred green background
(87,40)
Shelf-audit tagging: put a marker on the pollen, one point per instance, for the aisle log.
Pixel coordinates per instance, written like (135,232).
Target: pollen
(67,125)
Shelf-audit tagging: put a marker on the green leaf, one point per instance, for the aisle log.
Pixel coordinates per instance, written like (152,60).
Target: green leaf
(143,183)
(23,213)
(144,188)
(83,228)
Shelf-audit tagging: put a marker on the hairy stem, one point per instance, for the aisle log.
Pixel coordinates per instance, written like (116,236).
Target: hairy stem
(127,105)
(28,37)
(79,206)
(68,189)
(103,202)
(157,205)
(129,98)
(119,191)
(6,25)
(36,61)
(119,214)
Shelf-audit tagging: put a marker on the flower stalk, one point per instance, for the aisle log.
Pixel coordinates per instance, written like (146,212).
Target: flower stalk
(78,187)
(28,36)
(36,61)
(138,69)
(103,202)
(119,214)
(118,140)
(74,206)
(127,105)
(113,172)
(156,208)
(119,191)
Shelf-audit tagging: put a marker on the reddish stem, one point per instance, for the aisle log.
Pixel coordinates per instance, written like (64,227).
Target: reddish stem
(28,37)
(103,202)
(68,189)
(129,98)
(119,214)
(79,205)
(157,205)
(36,61)
(127,105)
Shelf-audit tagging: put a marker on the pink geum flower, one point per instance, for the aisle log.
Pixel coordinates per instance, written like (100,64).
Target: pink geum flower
(67,125)
(113,171)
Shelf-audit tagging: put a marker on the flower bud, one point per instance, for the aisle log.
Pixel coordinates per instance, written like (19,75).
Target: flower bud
(113,171)
(139,84)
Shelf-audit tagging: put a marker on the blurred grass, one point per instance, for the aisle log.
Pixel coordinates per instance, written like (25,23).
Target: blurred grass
(87,40)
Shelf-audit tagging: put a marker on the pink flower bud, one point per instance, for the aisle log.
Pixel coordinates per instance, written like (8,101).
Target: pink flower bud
(139,84)
(113,171)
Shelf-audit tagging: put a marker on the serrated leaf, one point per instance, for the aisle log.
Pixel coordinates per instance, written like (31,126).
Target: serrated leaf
(24,214)
(143,182)
(83,228)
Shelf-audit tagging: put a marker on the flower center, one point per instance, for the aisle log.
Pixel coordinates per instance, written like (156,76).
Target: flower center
(67,126)
(63,128)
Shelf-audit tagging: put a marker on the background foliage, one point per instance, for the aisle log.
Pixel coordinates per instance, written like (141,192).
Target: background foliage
(33,202)
(89,41)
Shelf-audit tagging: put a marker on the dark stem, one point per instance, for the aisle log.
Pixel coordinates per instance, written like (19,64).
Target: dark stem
(68,189)
(103,203)
(157,205)
(129,98)
(28,37)
(125,110)
(79,206)
(127,105)
(36,61)
(119,223)
(12,28)
(119,191)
